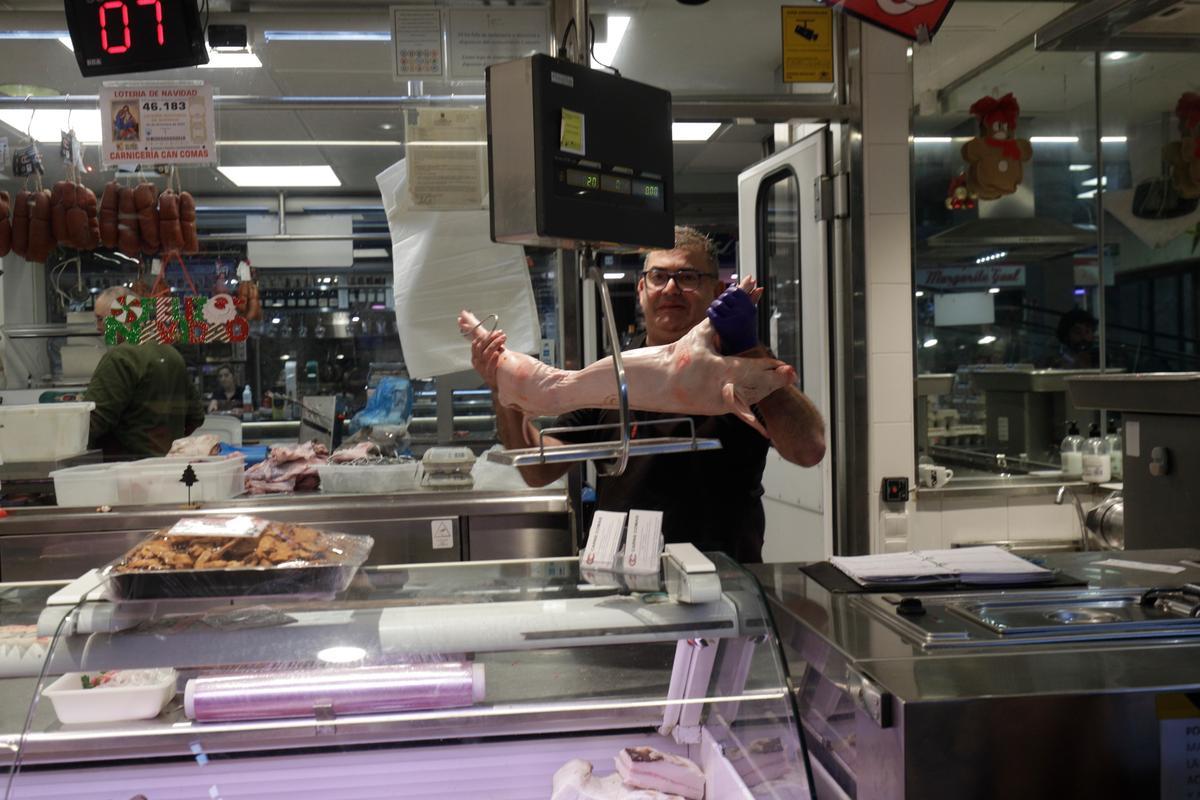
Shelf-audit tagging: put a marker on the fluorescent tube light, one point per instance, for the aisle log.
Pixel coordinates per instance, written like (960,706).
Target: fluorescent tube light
(987,339)
(606,51)
(613,276)
(994,290)
(1088,195)
(312,143)
(932,140)
(44,35)
(299,175)
(1054,139)
(1092,182)
(929,343)
(918,293)
(693,131)
(327,36)
(1114,139)
(49,123)
(235,59)
(449,143)
(1079,167)
(1116,55)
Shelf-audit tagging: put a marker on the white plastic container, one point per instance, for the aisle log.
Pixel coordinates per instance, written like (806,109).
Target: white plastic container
(73,704)
(157,480)
(43,432)
(368,478)
(86,485)
(448,459)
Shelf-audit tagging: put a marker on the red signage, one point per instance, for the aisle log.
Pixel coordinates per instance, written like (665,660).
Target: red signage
(918,20)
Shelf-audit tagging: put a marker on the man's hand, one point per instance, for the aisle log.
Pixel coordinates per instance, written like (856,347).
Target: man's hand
(485,356)
(735,318)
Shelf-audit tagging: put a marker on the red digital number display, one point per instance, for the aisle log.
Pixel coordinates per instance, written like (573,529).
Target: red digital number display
(109,42)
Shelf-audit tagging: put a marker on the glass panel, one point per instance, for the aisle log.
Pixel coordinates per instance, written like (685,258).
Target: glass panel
(1149,199)
(778,215)
(1006,271)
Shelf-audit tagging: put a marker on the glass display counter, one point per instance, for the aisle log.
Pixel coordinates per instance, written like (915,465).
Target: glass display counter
(456,680)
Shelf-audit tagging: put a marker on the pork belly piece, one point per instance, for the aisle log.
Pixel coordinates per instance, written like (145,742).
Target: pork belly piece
(647,768)
(689,376)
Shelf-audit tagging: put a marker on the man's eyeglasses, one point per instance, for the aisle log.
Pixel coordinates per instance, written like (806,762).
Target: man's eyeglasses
(686,279)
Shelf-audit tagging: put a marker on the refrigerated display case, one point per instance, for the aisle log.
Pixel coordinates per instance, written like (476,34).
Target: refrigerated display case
(554,665)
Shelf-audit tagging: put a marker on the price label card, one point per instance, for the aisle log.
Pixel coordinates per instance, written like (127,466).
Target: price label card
(157,122)
(571,134)
(643,542)
(604,540)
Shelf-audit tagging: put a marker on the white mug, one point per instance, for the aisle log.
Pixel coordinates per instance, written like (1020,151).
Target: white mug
(932,476)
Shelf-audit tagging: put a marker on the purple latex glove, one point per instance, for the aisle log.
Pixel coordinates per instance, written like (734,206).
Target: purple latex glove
(735,318)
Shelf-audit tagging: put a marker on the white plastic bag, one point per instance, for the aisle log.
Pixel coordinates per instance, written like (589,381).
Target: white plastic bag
(444,261)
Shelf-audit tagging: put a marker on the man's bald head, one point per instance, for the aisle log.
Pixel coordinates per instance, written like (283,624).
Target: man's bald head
(104,302)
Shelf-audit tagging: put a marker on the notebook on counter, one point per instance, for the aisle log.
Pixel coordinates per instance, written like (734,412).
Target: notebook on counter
(982,566)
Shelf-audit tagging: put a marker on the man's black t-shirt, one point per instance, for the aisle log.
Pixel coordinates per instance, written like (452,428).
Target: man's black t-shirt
(712,499)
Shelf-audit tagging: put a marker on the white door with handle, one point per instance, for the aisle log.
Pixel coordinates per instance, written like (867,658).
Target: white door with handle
(783,241)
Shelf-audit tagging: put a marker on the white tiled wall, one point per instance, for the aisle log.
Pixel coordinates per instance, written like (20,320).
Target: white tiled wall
(887,92)
(945,520)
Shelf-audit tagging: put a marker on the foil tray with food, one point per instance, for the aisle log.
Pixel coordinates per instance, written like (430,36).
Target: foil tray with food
(236,556)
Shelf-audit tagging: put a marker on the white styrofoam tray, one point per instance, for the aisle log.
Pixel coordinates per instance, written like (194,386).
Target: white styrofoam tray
(73,704)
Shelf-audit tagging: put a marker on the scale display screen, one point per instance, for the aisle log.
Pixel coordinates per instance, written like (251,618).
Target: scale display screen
(113,37)
(584,180)
(650,189)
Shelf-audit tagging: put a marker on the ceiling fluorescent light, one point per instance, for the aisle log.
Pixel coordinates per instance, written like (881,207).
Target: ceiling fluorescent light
(693,131)
(1092,182)
(327,36)
(1086,195)
(1113,139)
(613,276)
(1116,55)
(989,339)
(1054,139)
(35,35)
(231,59)
(450,143)
(1079,167)
(605,52)
(932,140)
(49,123)
(311,143)
(306,175)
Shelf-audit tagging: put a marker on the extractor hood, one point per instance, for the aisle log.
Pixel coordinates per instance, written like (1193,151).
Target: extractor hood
(1129,25)
(1026,240)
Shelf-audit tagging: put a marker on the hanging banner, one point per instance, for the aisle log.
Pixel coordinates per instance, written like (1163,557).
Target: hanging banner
(918,20)
(807,44)
(175,320)
(981,277)
(157,122)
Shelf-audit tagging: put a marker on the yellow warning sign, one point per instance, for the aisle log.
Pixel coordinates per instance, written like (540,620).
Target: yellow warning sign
(571,134)
(807,44)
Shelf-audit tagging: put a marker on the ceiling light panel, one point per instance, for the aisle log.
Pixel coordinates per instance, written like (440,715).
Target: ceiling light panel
(693,131)
(276,176)
(48,123)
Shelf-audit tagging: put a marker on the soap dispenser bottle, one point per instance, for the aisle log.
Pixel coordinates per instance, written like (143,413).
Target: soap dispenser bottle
(1072,452)
(1097,468)
(1116,450)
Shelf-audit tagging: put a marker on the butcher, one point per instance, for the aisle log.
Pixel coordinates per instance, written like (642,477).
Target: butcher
(712,499)
(144,397)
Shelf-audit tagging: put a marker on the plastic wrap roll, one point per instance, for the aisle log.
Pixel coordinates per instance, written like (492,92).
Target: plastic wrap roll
(365,690)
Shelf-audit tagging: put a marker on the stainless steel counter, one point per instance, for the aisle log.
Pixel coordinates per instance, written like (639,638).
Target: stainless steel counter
(62,543)
(895,713)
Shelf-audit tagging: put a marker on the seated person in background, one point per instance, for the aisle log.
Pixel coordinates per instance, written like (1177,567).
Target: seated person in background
(1077,341)
(143,395)
(227,399)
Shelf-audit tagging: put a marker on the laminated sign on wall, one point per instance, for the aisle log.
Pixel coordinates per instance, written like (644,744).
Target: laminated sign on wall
(158,122)
(447,157)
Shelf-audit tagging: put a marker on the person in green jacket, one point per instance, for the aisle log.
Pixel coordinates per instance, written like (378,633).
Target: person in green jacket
(143,395)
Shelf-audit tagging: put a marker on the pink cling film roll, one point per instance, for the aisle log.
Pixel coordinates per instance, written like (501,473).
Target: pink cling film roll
(363,690)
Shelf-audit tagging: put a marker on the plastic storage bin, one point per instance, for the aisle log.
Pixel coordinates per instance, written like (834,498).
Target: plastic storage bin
(74,704)
(368,478)
(157,480)
(86,485)
(44,432)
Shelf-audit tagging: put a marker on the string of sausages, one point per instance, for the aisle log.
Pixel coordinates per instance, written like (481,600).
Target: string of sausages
(134,220)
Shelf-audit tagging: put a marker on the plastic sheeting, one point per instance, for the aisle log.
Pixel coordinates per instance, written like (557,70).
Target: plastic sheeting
(444,261)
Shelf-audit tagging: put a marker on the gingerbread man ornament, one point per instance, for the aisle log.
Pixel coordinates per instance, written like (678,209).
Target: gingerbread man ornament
(995,156)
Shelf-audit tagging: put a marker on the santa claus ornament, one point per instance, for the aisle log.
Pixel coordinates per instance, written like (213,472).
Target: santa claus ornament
(995,156)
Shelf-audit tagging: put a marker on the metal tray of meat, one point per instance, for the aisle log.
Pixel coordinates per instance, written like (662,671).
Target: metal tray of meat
(324,565)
